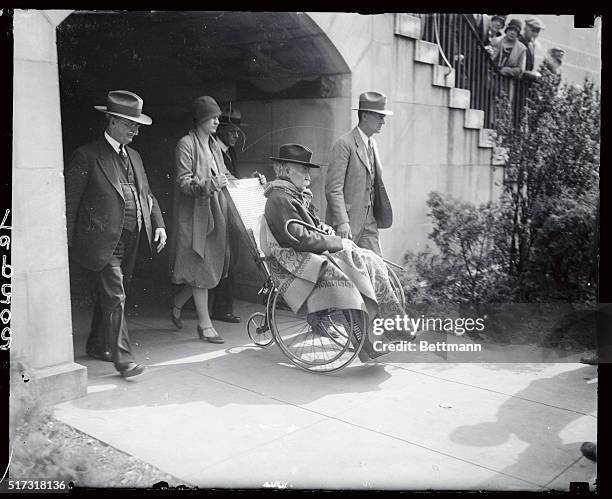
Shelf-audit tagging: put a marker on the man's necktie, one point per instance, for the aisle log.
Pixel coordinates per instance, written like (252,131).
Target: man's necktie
(122,152)
(371,154)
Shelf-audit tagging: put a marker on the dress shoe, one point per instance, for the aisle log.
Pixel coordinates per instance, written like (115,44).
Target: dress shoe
(133,370)
(229,317)
(211,339)
(176,320)
(103,355)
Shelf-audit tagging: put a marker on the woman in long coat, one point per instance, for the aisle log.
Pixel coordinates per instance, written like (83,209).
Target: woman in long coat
(199,249)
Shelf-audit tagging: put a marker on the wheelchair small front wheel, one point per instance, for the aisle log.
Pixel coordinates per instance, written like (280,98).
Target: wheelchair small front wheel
(259,330)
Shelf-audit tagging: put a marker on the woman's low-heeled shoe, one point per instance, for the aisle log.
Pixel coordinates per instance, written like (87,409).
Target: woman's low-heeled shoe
(176,320)
(212,339)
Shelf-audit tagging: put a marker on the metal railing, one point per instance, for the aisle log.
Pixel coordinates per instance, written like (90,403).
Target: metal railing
(460,45)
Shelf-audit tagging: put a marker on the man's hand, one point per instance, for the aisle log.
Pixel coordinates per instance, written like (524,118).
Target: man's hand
(262,178)
(220,181)
(531,75)
(328,230)
(344,231)
(347,244)
(160,234)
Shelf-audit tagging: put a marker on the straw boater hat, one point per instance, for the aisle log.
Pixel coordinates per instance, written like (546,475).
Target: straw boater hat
(126,105)
(374,102)
(295,153)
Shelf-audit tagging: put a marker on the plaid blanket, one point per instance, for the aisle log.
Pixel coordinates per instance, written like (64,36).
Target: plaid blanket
(354,278)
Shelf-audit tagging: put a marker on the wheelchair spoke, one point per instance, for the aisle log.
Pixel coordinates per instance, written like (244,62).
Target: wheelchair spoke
(323,341)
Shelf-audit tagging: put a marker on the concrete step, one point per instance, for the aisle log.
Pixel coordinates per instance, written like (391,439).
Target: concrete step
(474,119)
(426,52)
(459,98)
(443,76)
(486,138)
(408,25)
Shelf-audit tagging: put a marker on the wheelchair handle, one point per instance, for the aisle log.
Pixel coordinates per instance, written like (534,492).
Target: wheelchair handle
(316,229)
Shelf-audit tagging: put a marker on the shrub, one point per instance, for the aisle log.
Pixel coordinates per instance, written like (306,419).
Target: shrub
(539,241)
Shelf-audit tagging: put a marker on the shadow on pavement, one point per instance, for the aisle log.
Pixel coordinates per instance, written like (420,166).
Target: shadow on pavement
(535,432)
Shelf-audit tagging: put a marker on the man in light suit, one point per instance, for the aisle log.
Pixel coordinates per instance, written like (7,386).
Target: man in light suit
(357,201)
(109,207)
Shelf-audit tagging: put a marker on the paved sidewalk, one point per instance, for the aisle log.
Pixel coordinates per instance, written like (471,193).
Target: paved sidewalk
(235,415)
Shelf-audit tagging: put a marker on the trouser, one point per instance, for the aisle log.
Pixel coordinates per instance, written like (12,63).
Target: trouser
(368,236)
(108,325)
(223,295)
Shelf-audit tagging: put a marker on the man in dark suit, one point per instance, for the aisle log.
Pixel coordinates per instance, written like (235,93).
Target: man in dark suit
(357,201)
(227,136)
(528,37)
(109,207)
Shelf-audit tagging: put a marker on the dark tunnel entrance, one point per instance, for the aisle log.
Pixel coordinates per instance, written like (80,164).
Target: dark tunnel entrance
(279,69)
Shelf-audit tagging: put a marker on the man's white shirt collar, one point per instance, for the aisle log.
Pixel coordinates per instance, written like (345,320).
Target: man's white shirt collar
(365,138)
(113,142)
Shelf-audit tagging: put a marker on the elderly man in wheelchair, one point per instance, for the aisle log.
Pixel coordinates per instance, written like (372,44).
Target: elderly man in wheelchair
(336,286)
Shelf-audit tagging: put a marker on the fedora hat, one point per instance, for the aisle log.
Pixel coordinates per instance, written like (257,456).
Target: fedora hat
(204,108)
(126,105)
(374,102)
(231,116)
(295,153)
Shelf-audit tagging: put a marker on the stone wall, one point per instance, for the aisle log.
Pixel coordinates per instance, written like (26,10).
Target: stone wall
(41,322)
(424,146)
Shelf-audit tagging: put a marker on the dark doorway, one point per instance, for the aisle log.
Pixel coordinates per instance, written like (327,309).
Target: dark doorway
(279,69)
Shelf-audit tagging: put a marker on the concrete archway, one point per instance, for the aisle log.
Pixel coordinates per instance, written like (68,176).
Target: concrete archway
(280,69)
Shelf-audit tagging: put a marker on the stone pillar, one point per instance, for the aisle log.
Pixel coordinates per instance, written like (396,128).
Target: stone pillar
(41,321)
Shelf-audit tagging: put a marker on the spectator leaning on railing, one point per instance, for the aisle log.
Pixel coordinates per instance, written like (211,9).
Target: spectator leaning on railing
(492,26)
(532,29)
(507,52)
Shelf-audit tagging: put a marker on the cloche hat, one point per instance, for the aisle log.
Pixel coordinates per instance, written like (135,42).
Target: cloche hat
(204,108)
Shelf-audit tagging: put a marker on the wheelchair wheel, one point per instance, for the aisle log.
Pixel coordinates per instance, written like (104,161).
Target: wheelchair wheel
(396,284)
(259,330)
(321,342)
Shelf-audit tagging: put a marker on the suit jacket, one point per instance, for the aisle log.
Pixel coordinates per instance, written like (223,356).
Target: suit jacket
(530,54)
(95,203)
(230,160)
(347,186)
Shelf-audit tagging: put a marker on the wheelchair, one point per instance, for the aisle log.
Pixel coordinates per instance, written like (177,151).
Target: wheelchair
(322,342)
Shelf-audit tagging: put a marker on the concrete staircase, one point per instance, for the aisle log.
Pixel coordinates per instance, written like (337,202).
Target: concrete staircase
(409,26)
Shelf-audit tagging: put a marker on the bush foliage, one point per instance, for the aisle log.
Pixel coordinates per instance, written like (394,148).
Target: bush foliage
(539,241)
